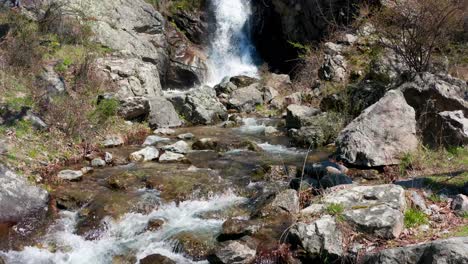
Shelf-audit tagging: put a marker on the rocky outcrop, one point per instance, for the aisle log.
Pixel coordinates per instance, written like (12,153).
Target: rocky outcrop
(246,99)
(453,250)
(193,23)
(381,134)
(300,115)
(18,197)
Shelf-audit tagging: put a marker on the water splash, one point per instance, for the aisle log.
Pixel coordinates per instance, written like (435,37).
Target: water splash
(231,51)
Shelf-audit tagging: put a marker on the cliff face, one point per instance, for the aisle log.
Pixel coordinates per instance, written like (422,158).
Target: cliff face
(278,23)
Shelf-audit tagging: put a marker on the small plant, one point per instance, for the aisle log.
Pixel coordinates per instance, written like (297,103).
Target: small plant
(106,109)
(334,209)
(415,217)
(435,198)
(406,162)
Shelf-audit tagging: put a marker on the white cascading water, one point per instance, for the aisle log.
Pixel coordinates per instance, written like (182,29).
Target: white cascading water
(231,51)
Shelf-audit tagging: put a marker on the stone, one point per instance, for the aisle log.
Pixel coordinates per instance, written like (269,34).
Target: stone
(154,224)
(225,87)
(193,24)
(278,81)
(113,141)
(299,115)
(321,169)
(287,200)
(334,179)
(164,131)
(269,94)
(36,121)
(364,143)
(321,236)
(18,197)
(206,144)
(460,204)
(51,81)
(313,209)
(180,147)
(418,201)
(269,130)
(156,259)
(163,114)
(245,99)
(146,154)
(243,81)
(98,162)
(234,251)
(132,108)
(448,128)
(452,250)
(234,229)
(86,170)
(153,140)
(70,175)
(108,158)
(169,157)
(186,136)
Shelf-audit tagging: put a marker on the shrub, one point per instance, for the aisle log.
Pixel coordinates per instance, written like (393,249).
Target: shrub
(414,217)
(334,209)
(416,29)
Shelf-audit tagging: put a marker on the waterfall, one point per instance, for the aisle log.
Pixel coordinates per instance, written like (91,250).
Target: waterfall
(231,51)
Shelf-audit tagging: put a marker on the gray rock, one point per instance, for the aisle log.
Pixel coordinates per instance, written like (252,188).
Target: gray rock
(453,250)
(169,157)
(186,136)
(269,94)
(36,121)
(98,162)
(460,204)
(245,99)
(51,81)
(321,236)
(418,201)
(269,130)
(225,87)
(287,200)
(242,81)
(146,154)
(164,131)
(163,114)
(206,144)
(313,209)
(113,141)
(134,107)
(180,147)
(70,175)
(333,68)
(278,82)
(108,157)
(234,251)
(321,169)
(381,134)
(299,115)
(153,140)
(449,128)
(332,180)
(19,198)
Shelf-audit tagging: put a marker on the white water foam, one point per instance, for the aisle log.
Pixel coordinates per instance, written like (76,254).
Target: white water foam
(231,51)
(126,236)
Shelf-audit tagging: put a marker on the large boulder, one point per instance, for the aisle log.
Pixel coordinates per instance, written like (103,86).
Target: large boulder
(134,108)
(381,134)
(246,99)
(448,128)
(453,250)
(162,114)
(321,236)
(18,197)
(300,115)
(235,251)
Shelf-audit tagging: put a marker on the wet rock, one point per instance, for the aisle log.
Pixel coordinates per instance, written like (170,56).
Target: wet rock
(250,145)
(321,236)
(246,99)
(225,87)
(234,229)
(196,246)
(243,81)
(122,259)
(332,180)
(460,204)
(156,259)
(238,251)
(113,141)
(207,144)
(134,108)
(192,24)
(269,130)
(365,144)
(123,181)
(299,115)
(70,175)
(155,224)
(18,197)
(153,140)
(163,114)
(169,157)
(164,131)
(453,250)
(186,136)
(288,201)
(180,147)
(72,199)
(146,154)
(98,162)
(321,169)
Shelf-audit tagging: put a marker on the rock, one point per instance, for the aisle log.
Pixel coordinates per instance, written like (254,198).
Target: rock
(278,82)
(365,144)
(113,141)
(269,130)
(332,180)
(460,204)
(122,181)
(246,99)
(313,209)
(243,81)
(377,210)
(449,128)
(163,114)
(319,170)
(156,259)
(452,250)
(153,140)
(98,162)
(299,115)
(132,108)
(154,224)
(108,158)
(193,24)
(225,87)
(180,147)
(123,259)
(321,236)
(186,136)
(418,201)
(51,81)
(238,252)
(269,94)
(294,98)
(169,157)
(206,144)
(349,39)
(146,154)
(19,198)
(70,175)
(86,170)
(36,121)
(234,229)
(333,68)
(287,200)
(164,131)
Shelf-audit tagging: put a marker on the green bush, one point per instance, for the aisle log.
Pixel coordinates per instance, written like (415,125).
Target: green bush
(106,109)
(414,217)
